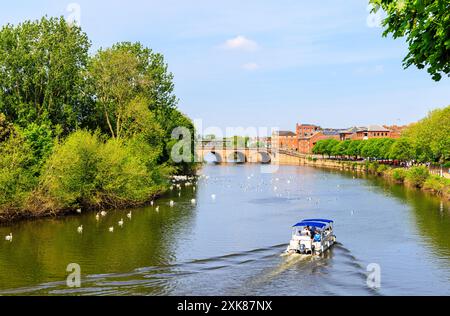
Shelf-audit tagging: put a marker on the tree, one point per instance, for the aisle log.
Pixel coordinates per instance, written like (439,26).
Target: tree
(331,145)
(319,147)
(354,148)
(430,137)
(117,80)
(342,148)
(426,25)
(42,73)
(385,145)
(401,150)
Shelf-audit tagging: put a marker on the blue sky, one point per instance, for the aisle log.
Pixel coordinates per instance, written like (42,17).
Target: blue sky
(265,63)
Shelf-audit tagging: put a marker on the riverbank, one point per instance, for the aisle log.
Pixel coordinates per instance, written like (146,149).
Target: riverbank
(417,177)
(10,216)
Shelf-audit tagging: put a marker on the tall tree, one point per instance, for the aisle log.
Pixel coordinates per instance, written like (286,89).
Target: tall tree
(426,25)
(430,137)
(42,73)
(117,81)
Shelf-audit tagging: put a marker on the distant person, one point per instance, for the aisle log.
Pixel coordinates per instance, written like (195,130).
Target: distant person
(317,237)
(313,232)
(306,231)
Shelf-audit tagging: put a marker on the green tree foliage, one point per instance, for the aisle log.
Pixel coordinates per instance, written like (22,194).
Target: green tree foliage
(430,137)
(16,177)
(42,66)
(426,26)
(86,170)
(6,128)
(95,131)
(399,174)
(41,141)
(354,148)
(417,176)
(330,147)
(341,149)
(401,150)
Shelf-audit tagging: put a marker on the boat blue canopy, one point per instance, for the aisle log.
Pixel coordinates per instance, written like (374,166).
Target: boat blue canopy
(311,223)
(319,220)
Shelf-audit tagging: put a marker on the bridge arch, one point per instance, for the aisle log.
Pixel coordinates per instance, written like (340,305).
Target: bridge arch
(237,157)
(213,157)
(264,157)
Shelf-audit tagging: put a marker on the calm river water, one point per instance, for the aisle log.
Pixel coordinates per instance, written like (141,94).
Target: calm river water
(231,245)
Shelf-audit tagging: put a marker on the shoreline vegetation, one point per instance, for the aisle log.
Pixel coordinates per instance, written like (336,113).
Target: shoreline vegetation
(417,177)
(423,146)
(80,130)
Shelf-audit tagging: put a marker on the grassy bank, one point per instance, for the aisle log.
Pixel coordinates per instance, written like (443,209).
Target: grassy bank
(417,177)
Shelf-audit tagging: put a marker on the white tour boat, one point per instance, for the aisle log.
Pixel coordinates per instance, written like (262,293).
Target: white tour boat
(312,236)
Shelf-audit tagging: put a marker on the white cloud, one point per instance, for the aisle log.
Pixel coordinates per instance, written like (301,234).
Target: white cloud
(250,66)
(240,43)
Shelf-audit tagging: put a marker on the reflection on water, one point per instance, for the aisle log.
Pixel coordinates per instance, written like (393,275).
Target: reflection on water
(231,245)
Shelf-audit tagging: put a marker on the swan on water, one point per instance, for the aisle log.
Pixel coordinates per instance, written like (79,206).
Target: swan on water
(80,229)
(9,237)
(111,229)
(129,215)
(121,222)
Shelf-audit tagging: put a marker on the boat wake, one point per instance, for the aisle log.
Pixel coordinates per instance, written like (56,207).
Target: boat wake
(253,272)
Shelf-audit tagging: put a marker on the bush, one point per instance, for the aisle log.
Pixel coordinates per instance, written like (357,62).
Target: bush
(85,171)
(372,167)
(382,169)
(69,176)
(16,179)
(399,174)
(447,164)
(437,184)
(417,176)
(122,178)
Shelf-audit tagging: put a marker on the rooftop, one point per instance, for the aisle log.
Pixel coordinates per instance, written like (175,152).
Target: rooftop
(377,128)
(285,133)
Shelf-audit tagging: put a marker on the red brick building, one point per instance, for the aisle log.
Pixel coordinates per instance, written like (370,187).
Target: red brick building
(307,130)
(284,140)
(306,144)
(372,131)
(308,135)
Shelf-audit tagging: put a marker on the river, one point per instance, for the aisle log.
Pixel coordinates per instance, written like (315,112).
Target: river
(231,245)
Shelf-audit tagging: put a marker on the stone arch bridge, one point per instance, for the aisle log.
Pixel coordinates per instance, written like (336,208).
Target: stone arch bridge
(236,155)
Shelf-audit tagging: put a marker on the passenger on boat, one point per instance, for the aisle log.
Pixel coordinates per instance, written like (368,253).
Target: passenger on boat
(306,231)
(313,232)
(317,237)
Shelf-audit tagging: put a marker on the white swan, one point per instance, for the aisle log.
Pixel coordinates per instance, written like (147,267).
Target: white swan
(103,213)
(129,215)
(9,237)
(157,208)
(172,203)
(79,211)
(111,229)
(80,229)
(121,222)
(97,217)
